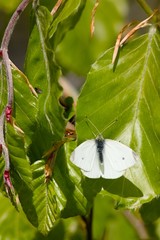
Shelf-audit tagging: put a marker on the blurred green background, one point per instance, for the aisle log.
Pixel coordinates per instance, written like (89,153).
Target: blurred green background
(78,50)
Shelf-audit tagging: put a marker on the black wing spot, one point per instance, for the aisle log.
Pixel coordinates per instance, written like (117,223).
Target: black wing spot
(123,158)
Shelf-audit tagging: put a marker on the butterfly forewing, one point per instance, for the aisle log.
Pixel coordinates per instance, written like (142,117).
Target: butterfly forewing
(120,156)
(83,156)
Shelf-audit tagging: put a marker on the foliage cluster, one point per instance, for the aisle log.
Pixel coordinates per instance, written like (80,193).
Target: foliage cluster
(49,188)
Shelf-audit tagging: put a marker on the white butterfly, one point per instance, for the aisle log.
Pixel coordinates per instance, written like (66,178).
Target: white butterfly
(103,158)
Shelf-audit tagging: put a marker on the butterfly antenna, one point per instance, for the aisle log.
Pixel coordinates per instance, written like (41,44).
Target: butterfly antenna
(88,120)
(98,132)
(109,125)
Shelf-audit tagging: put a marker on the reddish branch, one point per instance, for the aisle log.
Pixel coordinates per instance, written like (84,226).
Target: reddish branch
(58,4)
(138,224)
(92,27)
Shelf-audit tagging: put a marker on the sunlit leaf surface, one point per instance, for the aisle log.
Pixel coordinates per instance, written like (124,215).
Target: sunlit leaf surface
(128,92)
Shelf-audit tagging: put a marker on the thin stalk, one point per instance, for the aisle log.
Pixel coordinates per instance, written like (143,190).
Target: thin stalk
(4,48)
(137,224)
(58,4)
(89,225)
(11,25)
(7,112)
(6,63)
(88,221)
(2,143)
(145,7)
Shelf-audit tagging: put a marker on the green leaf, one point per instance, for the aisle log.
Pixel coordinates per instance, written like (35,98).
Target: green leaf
(70,196)
(25,105)
(44,198)
(13,224)
(65,229)
(21,174)
(129,93)
(19,137)
(65,19)
(151,211)
(43,74)
(3,88)
(110,223)
(50,199)
(2,165)
(17,154)
(62,196)
(150,214)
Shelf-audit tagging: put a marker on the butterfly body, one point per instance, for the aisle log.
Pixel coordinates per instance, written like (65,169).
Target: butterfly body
(103,158)
(100,148)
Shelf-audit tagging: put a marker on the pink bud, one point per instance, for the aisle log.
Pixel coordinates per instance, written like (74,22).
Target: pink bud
(8,113)
(1,53)
(7,179)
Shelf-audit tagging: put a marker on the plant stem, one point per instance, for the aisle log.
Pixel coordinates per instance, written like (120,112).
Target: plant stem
(12,23)
(4,47)
(145,7)
(2,142)
(57,5)
(138,224)
(88,221)
(7,112)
